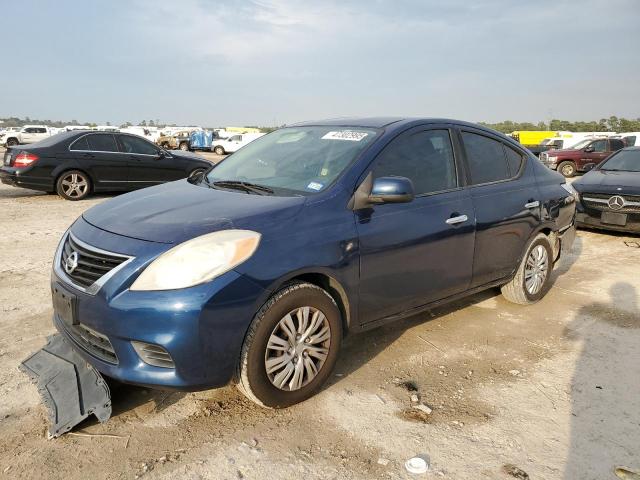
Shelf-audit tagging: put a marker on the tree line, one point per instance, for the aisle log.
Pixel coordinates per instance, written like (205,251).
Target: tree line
(611,124)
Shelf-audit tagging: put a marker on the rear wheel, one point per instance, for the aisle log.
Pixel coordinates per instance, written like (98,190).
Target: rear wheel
(568,169)
(291,347)
(219,150)
(184,146)
(531,281)
(73,185)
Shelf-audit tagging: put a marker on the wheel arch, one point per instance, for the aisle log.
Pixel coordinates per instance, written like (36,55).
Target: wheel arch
(329,284)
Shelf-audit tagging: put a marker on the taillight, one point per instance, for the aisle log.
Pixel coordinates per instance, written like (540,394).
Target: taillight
(24,159)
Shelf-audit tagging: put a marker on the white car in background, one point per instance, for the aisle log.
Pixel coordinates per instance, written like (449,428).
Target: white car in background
(234,142)
(27,134)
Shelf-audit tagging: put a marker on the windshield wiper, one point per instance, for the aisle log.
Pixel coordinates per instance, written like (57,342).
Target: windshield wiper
(246,186)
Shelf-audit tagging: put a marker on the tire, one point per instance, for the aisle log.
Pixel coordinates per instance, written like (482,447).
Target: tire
(252,377)
(518,290)
(73,185)
(219,150)
(184,146)
(568,169)
(12,142)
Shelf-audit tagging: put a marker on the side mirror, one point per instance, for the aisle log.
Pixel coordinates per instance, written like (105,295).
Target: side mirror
(391,190)
(589,149)
(589,166)
(196,176)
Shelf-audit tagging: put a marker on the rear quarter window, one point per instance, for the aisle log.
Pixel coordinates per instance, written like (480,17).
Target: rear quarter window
(80,144)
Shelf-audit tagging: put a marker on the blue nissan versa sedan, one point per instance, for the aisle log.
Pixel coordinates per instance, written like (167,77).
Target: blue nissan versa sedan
(254,271)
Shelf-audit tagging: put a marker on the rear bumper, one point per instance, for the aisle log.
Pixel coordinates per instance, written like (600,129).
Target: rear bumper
(16,178)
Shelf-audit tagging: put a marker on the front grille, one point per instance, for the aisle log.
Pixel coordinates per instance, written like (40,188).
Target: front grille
(93,342)
(92,264)
(600,201)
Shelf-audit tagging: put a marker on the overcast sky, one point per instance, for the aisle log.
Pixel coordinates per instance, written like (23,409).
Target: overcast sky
(271,62)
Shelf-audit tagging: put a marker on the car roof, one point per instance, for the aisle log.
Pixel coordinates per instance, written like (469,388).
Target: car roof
(381,122)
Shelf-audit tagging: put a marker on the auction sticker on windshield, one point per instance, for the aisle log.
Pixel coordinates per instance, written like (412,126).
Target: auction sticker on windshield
(349,135)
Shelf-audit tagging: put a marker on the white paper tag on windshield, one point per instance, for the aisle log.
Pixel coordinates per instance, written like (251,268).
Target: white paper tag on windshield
(349,135)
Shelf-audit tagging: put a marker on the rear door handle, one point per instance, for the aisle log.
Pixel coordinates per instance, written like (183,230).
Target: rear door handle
(534,204)
(456,220)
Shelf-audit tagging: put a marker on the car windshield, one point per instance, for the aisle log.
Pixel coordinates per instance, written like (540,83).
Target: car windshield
(294,160)
(624,160)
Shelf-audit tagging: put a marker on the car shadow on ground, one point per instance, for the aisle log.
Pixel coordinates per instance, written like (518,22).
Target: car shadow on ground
(605,390)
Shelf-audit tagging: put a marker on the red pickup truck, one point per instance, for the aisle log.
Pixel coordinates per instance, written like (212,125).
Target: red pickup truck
(581,157)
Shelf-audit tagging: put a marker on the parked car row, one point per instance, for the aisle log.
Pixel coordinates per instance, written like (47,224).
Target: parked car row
(581,157)
(77,163)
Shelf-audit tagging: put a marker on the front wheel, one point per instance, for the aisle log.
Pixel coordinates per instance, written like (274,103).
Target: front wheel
(73,185)
(12,142)
(291,346)
(184,146)
(531,281)
(568,169)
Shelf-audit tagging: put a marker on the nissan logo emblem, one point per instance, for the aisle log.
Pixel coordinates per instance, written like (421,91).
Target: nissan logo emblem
(616,202)
(71,263)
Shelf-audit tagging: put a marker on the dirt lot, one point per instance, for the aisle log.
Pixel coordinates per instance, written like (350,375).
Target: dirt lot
(553,389)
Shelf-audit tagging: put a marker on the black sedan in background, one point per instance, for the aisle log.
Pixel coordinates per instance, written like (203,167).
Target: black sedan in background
(76,163)
(610,193)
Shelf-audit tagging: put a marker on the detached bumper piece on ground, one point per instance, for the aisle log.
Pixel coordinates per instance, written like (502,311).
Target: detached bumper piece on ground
(70,387)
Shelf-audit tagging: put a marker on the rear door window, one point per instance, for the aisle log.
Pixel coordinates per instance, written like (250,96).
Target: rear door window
(616,144)
(131,144)
(80,144)
(425,158)
(486,159)
(102,142)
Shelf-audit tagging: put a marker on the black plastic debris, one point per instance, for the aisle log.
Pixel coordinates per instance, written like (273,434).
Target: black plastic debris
(70,387)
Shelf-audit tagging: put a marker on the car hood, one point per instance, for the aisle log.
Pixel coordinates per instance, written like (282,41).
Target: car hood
(177,211)
(601,181)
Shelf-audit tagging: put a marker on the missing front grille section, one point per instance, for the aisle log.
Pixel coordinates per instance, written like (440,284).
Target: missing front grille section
(94,343)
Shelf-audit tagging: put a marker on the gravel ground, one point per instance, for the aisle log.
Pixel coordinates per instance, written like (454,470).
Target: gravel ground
(552,389)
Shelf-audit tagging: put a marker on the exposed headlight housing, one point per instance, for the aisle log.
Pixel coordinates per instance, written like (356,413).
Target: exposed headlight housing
(569,188)
(198,260)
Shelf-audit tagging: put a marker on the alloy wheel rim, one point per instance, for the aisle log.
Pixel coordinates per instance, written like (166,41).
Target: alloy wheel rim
(297,348)
(74,185)
(536,269)
(567,169)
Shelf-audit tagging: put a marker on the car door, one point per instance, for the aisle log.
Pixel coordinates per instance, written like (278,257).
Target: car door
(415,253)
(594,153)
(99,156)
(506,202)
(148,164)
(27,135)
(233,143)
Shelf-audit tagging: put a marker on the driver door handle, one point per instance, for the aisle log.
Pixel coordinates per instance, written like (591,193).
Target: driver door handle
(533,204)
(456,220)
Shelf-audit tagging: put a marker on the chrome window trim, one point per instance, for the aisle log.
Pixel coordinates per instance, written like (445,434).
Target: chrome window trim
(95,287)
(95,151)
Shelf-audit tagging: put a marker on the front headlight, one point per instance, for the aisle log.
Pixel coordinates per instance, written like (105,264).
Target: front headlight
(552,159)
(198,260)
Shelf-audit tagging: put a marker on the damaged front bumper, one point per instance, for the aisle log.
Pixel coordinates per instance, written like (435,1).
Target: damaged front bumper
(70,387)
